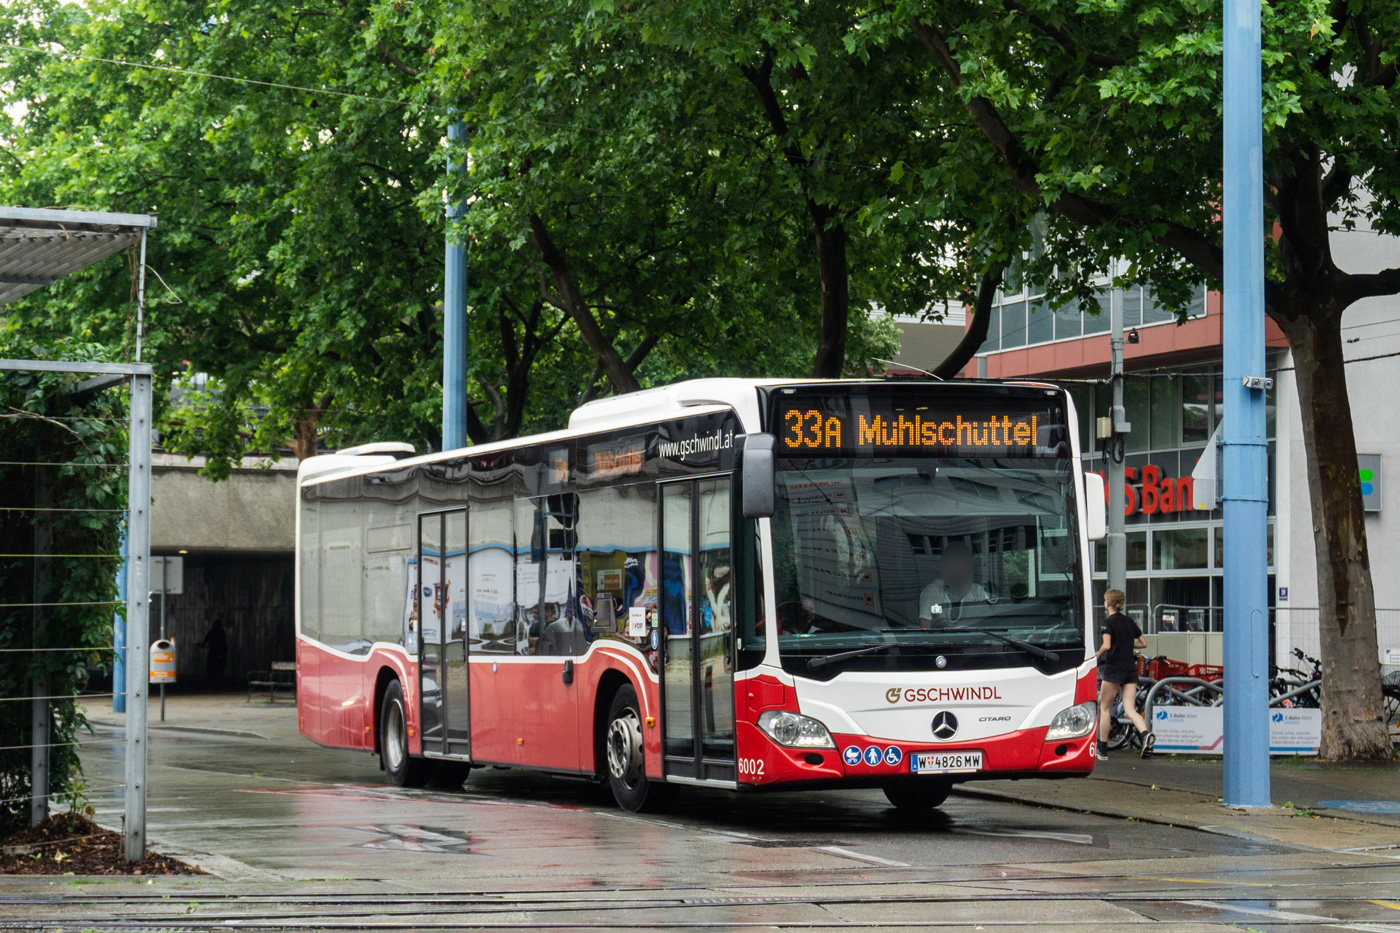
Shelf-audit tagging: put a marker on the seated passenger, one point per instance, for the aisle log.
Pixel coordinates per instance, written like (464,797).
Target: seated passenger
(942,601)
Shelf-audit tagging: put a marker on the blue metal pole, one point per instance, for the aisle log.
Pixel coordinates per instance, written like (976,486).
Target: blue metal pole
(119,638)
(1244,449)
(454,311)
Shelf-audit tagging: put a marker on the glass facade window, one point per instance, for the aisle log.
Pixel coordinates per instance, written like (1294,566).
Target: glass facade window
(1022,317)
(1137,553)
(1166,413)
(1098,323)
(1154,313)
(1013,325)
(1132,306)
(1137,400)
(1069,322)
(1180,548)
(1195,409)
(1040,328)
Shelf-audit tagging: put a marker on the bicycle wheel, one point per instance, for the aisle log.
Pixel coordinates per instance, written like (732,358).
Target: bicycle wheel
(1391,694)
(1120,731)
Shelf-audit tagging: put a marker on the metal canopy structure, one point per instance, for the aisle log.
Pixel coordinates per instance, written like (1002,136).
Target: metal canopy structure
(39,246)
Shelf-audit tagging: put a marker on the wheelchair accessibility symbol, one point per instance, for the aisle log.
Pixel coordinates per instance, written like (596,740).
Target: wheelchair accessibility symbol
(893,755)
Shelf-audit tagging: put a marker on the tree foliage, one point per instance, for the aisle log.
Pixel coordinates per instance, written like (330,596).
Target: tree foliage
(71,509)
(301,239)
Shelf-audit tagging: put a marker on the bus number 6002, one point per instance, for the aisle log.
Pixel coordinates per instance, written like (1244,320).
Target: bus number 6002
(753,766)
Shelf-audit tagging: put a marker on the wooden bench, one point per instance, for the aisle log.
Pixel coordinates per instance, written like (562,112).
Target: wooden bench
(283,676)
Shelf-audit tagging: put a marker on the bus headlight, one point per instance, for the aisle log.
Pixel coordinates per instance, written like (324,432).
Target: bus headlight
(1073,723)
(794,731)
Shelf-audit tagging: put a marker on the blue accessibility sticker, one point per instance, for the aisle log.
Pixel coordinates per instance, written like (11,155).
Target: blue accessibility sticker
(893,755)
(873,755)
(852,754)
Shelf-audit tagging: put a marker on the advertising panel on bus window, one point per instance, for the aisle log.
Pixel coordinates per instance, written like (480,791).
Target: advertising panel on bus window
(694,444)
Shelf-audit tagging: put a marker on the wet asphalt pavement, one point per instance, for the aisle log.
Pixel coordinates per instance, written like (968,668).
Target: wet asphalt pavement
(309,838)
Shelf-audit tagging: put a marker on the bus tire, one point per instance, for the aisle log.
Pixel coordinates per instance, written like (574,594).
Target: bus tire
(918,794)
(401,768)
(625,759)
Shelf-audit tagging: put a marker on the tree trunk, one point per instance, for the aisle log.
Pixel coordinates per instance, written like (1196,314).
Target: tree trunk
(976,334)
(574,305)
(836,300)
(304,443)
(1353,722)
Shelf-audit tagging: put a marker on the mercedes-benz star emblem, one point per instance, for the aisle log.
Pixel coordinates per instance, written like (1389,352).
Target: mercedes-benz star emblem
(945,725)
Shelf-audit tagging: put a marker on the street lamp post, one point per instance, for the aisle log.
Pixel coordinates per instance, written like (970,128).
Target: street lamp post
(454,317)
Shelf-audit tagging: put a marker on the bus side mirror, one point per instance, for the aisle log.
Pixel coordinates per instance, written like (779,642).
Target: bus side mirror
(757,474)
(1095,508)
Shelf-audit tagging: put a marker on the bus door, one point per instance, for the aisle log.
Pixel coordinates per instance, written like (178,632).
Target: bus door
(697,683)
(444,712)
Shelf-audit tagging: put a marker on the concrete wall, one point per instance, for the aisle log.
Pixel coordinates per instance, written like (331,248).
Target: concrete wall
(253,510)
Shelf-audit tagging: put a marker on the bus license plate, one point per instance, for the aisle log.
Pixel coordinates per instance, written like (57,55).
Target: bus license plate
(946,762)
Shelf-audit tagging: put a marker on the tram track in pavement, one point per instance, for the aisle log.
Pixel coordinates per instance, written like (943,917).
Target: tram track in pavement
(617,907)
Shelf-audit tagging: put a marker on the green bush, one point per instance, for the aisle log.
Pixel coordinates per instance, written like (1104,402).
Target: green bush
(78,438)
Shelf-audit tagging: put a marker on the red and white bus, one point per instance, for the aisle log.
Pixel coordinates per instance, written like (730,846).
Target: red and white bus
(743,584)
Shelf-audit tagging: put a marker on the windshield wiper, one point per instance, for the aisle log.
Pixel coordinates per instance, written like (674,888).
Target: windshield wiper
(1036,650)
(816,663)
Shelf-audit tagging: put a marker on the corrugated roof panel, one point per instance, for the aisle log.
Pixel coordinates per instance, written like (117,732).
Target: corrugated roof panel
(38,247)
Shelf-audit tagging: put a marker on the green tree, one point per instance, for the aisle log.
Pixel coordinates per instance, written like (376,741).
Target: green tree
(300,247)
(657,183)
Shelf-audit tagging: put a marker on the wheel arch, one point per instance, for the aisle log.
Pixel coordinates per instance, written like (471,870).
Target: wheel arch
(381,684)
(611,681)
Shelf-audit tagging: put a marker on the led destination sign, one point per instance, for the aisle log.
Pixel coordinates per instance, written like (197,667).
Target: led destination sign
(872,426)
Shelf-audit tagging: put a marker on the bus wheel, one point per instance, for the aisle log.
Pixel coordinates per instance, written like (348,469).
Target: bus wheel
(400,768)
(627,773)
(918,794)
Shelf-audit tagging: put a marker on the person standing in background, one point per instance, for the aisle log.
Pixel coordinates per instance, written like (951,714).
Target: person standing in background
(215,644)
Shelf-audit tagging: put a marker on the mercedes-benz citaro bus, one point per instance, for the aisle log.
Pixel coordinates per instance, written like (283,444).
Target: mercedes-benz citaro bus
(741,584)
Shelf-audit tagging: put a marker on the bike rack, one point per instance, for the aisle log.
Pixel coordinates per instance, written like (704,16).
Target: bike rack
(1196,693)
(1296,691)
(1191,697)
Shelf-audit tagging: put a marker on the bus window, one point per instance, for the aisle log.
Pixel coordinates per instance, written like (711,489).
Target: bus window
(617,555)
(546,617)
(748,596)
(491,570)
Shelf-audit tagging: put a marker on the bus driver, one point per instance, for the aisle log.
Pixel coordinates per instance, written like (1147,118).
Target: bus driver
(942,601)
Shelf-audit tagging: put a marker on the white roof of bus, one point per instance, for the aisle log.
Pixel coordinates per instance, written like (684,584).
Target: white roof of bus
(694,396)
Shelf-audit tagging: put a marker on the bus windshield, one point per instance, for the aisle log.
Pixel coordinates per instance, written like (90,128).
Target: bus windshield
(912,564)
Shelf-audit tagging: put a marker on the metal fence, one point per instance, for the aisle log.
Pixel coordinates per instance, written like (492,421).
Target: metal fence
(1297,627)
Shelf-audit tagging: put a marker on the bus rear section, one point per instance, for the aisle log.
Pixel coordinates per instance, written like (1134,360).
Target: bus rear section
(729,584)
